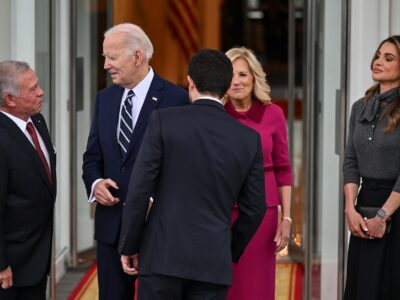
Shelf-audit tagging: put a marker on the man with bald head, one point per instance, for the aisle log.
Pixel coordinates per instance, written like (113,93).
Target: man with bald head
(120,118)
(27,185)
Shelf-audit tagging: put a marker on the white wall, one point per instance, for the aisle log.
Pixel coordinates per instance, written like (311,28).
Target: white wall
(23,31)
(394,17)
(17,30)
(369,25)
(5,30)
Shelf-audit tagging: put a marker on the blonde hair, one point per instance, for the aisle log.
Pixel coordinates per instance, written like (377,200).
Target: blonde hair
(261,88)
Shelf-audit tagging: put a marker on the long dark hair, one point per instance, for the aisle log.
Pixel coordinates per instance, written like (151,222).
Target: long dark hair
(392,111)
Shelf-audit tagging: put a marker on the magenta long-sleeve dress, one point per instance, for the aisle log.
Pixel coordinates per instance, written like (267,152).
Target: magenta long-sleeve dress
(254,275)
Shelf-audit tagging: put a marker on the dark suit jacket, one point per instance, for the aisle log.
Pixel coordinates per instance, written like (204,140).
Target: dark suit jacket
(103,158)
(26,203)
(197,160)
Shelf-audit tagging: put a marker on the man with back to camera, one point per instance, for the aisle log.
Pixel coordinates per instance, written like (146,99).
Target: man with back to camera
(27,185)
(120,117)
(196,160)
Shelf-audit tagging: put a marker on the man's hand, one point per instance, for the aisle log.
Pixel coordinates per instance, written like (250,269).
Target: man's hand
(130,264)
(102,192)
(6,280)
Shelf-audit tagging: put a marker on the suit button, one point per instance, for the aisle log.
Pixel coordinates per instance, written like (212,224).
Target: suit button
(123,204)
(123,169)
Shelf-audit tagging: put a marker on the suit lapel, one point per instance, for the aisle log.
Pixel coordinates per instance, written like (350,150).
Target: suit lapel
(153,98)
(26,146)
(112,117)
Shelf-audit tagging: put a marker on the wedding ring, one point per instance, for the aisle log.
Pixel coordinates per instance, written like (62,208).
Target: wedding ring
(371,237)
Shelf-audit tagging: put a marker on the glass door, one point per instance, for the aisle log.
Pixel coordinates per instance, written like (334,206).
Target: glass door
(89,19)
(325,88)
(275,30)
(302,47)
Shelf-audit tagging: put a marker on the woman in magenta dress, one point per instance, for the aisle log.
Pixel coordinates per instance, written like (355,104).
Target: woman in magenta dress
(249,102)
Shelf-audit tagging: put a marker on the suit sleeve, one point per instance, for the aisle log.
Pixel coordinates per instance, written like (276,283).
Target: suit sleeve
(251,205)
(93,158)
(141,187)
(3,197)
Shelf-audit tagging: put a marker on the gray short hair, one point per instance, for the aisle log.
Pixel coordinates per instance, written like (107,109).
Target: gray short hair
(137,38)
(10,72)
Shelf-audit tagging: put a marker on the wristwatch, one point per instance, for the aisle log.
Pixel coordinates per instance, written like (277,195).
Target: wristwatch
(381,213)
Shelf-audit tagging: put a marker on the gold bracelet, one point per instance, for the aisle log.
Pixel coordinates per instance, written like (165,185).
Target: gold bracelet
(287,218)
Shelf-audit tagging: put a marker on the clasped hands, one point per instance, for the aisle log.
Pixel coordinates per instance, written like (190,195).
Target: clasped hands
(130,264)
(365,228)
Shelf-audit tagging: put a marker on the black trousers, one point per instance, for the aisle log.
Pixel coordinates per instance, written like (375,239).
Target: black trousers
(151,287)
(34,292)
(113,282)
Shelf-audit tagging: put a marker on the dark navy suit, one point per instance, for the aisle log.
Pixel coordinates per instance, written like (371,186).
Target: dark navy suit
(103,159)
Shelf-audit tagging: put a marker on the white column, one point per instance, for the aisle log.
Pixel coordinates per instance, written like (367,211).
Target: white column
(5,30)
(23,31)
(62,142)
(394,17)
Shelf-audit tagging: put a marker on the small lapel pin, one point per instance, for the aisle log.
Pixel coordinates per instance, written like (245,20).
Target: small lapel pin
(154,98)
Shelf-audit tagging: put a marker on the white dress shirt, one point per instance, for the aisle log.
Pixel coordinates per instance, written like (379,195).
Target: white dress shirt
(22,125)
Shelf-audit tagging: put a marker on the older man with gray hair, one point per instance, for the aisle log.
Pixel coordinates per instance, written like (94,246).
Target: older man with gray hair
(120,118)
(27,185)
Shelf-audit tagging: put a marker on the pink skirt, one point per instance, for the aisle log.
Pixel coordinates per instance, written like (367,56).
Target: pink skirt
(254,275)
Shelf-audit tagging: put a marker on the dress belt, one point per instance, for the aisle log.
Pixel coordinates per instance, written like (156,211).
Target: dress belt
(268,169)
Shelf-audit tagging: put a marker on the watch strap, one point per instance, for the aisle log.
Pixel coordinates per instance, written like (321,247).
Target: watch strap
(381,213)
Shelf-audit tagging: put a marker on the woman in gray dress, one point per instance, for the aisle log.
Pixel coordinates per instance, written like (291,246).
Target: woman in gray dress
(372,160)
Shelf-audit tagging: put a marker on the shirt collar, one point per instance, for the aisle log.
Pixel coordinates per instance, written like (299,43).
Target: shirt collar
(142,87)
(19,122)
(256,111)
(210,98)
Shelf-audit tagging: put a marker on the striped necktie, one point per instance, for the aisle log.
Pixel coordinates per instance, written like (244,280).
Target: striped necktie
(126,123)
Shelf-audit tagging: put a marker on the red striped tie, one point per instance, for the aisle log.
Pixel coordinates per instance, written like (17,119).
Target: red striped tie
(39,151)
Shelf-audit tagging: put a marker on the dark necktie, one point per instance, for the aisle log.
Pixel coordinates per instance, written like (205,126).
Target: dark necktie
(126,123)
(39,151)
